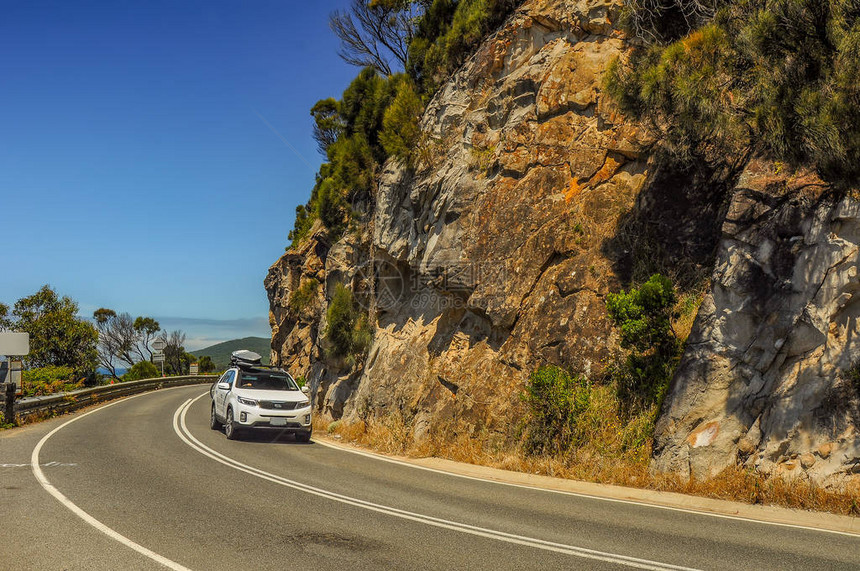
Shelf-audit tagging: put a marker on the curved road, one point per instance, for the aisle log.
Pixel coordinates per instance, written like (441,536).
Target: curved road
(142,483)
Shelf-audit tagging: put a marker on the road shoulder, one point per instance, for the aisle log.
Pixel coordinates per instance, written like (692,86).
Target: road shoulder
(771,515)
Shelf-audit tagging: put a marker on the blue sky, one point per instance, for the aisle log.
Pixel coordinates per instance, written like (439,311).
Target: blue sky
(136,172)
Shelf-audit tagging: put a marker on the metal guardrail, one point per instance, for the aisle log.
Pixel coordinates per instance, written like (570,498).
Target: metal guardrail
(59,403)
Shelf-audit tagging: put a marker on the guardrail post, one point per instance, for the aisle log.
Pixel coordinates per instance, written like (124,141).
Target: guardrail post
(9,408)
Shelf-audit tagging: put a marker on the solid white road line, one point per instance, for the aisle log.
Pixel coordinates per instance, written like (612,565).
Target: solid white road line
(584,495)
(181,429)
(40,476)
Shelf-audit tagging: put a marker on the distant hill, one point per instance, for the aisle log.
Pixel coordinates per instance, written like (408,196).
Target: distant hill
(220,353)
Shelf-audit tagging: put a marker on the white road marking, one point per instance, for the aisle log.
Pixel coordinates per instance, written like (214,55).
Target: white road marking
(584,495)
(40,476)
(181,429)
(45,465)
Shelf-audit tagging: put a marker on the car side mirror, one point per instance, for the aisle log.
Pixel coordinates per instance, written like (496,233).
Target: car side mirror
(307,390)
(224,386)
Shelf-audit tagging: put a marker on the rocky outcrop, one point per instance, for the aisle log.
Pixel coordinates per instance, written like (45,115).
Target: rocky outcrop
(767,379)
(533,200)
(295,330)
(488,261)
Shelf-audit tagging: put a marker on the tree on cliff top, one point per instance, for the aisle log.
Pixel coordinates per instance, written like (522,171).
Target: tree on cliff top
(378,114)
(347,328)
(376,33)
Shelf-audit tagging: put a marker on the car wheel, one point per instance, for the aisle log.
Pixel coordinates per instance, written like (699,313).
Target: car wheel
(213,420)
(230,429)
(303,436)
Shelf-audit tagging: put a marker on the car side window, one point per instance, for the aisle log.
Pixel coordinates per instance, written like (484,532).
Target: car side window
(229,377)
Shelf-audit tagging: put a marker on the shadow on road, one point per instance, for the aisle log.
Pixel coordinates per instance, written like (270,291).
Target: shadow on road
(271,437)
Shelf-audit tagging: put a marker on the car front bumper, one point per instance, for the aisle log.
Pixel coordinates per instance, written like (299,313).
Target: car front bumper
(292,421)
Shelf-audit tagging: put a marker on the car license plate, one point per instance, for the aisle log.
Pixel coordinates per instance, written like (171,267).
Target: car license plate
(276,421)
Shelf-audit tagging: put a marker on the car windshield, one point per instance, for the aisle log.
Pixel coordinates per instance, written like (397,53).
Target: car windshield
(267,381)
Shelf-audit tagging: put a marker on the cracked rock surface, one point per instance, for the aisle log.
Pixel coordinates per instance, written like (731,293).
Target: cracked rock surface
(495,257)
(497,244)
(765,380)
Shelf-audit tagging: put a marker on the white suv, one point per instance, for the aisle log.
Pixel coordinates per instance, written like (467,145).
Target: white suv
(249,395)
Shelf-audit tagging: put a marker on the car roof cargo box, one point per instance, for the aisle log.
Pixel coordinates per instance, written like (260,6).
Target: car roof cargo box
(244,358)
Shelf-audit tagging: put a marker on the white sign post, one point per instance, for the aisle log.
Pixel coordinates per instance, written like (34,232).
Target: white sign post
(158,356)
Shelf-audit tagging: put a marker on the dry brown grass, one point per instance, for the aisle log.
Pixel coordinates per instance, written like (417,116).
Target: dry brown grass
(687,308)
(607,458)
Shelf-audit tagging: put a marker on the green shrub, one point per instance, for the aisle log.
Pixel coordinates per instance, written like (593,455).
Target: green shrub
(348,328)
(644,317)
(555,401)
(401,132)
(301,226)
(348,131)
(448,32)
(303,296)
(377,117)
(141,370)
(770,77)
(47,380)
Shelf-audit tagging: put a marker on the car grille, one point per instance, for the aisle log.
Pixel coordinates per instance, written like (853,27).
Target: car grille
(277,405)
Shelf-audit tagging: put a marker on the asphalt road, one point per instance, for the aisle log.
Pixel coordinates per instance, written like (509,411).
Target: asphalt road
(143,483)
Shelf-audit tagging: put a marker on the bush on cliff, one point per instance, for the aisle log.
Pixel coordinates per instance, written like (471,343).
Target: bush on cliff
(614,416)
(348,330)
(447,33)
(574,420)
(400,130)
(773,77)
(303,296)
(644,317)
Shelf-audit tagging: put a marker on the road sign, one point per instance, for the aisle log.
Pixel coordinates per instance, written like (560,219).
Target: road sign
(13,343)
(192,369)
(158,358)
(158,344)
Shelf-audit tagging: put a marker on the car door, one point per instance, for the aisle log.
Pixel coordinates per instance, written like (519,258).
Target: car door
(221,394)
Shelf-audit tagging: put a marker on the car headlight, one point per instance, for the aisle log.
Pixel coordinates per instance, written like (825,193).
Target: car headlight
(247,402)
(302,404)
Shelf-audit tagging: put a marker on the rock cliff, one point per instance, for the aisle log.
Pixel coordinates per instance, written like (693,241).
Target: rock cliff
(769,377)
(536,200)
(487,263)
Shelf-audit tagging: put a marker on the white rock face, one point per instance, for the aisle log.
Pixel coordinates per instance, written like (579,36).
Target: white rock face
(764,381)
